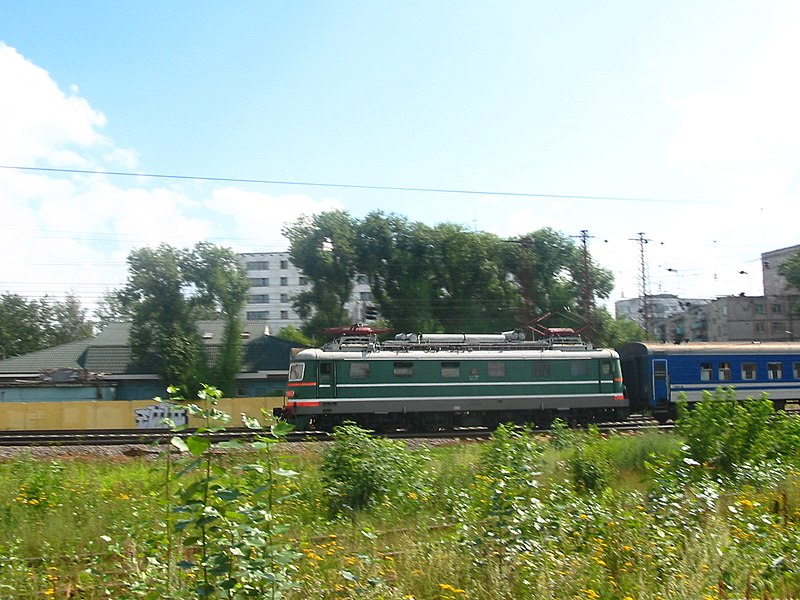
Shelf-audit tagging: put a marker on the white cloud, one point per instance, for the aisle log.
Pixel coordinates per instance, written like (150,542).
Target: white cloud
(72,233)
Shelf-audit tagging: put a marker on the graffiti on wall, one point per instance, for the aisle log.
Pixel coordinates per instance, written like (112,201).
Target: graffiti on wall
(152,417)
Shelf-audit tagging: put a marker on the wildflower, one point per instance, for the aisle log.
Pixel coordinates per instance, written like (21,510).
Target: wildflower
(590,593)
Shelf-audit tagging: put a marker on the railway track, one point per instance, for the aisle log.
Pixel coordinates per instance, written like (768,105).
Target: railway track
(155,437)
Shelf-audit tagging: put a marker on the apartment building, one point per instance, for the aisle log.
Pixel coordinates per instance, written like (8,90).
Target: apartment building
(274,283)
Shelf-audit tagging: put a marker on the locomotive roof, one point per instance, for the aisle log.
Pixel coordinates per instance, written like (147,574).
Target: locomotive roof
(454,355)
(657,348)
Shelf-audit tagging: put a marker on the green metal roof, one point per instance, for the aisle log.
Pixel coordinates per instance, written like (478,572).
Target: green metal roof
(65,356)
(109,352)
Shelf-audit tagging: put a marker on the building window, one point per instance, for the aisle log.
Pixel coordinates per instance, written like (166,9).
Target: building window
(303,281)
(759,327)
(404,369)
(284,265)
(258,281)
(748,371)
(777,327)
(359,370)
(284,314)
(284,297)
(705,371)
(777,309)
(774,370)
(259,299)
(451,369)
(724,371)
(258,265)
(497,369)
(284,281)
(759,309)
(257,315)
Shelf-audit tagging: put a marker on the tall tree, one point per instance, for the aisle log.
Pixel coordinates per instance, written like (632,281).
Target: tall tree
(399,259)
(473,289)
(28,325)
(220,282)
(323,247)
(550,270)
(163,332)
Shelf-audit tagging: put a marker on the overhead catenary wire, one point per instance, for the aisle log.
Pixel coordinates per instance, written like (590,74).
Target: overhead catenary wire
(353,186)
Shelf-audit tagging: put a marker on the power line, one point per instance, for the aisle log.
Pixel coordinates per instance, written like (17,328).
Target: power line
(353,186)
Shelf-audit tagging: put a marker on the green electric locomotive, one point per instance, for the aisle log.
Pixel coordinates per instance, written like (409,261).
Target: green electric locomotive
(425,382)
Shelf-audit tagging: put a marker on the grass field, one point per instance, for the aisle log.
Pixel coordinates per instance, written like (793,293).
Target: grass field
(710,511)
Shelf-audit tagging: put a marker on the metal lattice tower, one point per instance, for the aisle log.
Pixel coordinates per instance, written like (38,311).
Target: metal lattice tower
(645,309)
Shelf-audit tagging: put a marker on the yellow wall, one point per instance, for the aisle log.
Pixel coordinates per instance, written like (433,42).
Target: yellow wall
(110,414)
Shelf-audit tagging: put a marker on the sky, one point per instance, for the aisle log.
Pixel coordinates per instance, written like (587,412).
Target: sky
(673,122)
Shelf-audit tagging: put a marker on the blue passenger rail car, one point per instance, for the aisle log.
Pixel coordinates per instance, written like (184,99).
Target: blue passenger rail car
(656,374)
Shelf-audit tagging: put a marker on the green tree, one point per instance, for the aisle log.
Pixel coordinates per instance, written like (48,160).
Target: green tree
(28,325)
(110,309)
(474,290)
(220,286)
(613,333)
(549,267)
(324,248)
(399,259)
(168,290)
(790,269)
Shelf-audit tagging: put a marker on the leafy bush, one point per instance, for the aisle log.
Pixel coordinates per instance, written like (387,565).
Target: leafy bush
(359,471)
(591,467)
(722,432)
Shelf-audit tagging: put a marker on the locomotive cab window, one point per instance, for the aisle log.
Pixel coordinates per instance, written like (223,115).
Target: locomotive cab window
(359,370)
(496,369)
(296,371)
(724,371)
(451,369)
(774,370)
(705,371)
(403,369)
(748,371)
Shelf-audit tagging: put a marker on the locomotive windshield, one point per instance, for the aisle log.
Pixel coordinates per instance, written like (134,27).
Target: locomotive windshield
(296,371)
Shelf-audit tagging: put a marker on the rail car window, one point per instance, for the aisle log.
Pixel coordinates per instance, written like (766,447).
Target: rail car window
(724,371)
(606,368)
(296,371)
(325,372)
(796,370)
(579,367)
(748,371)
(403,369)
(705,371)
(497,369)
(451,369)
(541,369)
(359,370)
(774,370)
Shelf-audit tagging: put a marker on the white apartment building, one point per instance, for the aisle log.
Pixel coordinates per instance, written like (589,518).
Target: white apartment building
(275,281)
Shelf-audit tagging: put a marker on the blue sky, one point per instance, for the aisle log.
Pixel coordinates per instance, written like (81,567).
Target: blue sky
(687,110)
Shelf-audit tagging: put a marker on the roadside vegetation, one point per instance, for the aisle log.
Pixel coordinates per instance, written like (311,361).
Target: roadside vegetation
(708,511)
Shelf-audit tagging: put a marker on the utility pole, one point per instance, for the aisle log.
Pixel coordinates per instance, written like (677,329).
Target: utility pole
(645,310)
(586,298)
